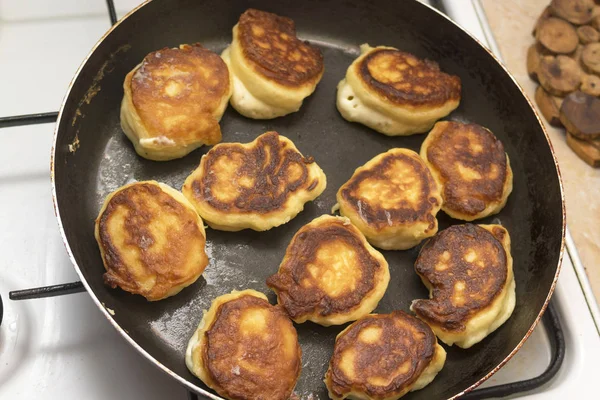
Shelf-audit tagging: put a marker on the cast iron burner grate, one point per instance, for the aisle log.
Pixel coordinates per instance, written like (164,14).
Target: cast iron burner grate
(550,319)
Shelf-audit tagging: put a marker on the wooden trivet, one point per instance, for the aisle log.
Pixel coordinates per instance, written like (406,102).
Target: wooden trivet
(565,61)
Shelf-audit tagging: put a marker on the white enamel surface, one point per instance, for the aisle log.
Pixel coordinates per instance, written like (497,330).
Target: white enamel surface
(63,348)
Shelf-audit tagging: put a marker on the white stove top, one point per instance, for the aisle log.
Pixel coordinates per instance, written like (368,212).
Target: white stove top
(62,348)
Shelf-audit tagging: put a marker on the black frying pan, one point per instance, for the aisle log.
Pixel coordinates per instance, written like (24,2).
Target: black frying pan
(92,157)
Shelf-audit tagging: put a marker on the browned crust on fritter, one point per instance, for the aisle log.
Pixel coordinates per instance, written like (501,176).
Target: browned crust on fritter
(451,148)
(302,250)
(166,264)
(404,339)
(267,163)
(225,345)
(481,287)
(402,78)
(197,78)
(378,217)
(269,41)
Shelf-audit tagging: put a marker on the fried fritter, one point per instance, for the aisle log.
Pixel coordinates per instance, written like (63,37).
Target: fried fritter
(383,357)
(245,348)
(257,185)
(469,272)
(330,274)
(471,167)
(151,240)
(396,93)
(174,100)
(273,71)
(392,200)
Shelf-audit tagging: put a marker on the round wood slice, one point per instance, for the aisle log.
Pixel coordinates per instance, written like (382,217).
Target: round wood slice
(557,36)
(548,106)
(588,151)
(578,12)
(559,75)
(590,84)
(587,34)
(577,54)
(542,51)
(590,58)
(533,62)
(580,114)
(596,22)
(544,15)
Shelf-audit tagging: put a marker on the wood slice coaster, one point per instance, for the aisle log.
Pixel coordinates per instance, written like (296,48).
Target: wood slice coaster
(588,151)
(580,114)
(578,12)
(590,84)
(543,16)
(587,34)
(548,106)
(559,75)
(565,61)
(533,62)
(557,36)
(590,58)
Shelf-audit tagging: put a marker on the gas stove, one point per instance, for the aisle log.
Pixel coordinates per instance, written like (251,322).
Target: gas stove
(62,347)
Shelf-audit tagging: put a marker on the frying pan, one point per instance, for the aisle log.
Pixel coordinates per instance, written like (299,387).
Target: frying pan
(92,157)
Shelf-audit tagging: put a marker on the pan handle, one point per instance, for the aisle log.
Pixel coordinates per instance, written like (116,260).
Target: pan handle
(47,291)
(552,322)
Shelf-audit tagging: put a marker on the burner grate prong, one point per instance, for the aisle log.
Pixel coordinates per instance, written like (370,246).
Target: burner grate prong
(111,11)
(44,118)
(28,119)
(47,291)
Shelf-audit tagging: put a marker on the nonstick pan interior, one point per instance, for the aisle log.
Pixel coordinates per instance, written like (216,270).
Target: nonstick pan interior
(102,159)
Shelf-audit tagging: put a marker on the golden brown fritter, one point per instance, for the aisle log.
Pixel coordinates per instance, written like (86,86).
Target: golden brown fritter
(272,70)
(330,274)
(176,90)
(269,41)
(245,348)
(392,199)
(396,93)
(404,79)
(470,164)
(257,185)
(467,268)
(401,186)
(382,357)
(174,100)
(151,240)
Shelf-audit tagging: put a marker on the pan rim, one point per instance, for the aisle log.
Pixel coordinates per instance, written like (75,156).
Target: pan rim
(562,202)
(191,386)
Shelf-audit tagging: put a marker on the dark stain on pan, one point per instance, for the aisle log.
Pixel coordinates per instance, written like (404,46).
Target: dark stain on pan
(534,214)
(93,89)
